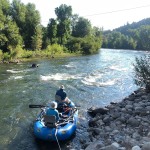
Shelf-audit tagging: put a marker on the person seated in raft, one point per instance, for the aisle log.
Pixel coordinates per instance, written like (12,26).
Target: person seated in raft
(52,110)
(61,97)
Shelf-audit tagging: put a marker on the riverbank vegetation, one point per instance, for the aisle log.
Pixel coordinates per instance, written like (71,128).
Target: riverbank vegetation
(142,72)
(130,36)
(23,36)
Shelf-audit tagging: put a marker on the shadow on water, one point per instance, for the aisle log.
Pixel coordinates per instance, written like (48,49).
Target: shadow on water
(23,140)
(46,145)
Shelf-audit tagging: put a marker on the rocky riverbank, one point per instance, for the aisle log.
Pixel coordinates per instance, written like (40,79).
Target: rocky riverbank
(125,126)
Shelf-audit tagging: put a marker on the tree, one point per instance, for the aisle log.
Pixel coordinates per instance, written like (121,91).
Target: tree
(28,21)
(5,7)
(18,13)
(82,28)
(63,31)
(97,32)
(12,34)
(3,38)
(45,40)
(64,14)
(32,21)
(52,30)
(132,43)
(118,41)
(74,20)
(144,37)
(37,38)
(9,32)
(4,11)
(74,44)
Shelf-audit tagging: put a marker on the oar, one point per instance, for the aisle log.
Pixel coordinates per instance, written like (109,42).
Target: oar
(40,106)
(36,106)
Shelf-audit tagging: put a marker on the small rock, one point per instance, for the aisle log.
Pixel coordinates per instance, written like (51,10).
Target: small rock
(136,148)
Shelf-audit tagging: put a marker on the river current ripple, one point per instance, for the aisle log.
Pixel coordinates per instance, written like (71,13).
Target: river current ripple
(93,80)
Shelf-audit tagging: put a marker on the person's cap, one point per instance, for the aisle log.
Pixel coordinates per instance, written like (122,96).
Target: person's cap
(62,87)
(53,104)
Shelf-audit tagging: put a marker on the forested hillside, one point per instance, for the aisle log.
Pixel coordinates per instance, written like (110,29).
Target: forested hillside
(129,36)
(23,36)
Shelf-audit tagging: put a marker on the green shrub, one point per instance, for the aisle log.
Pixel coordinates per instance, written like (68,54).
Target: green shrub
(142,72)
(6,56)
(1,55)
(74,44)
(55,49)
(86,45)
(16,52)
(27,54)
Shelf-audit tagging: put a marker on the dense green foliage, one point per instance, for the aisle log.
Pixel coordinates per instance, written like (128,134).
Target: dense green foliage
(9,31)
(22,35)
(142,72)
(82,28)
(130,36)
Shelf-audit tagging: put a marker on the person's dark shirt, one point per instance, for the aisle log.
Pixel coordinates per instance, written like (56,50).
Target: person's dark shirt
(62,94)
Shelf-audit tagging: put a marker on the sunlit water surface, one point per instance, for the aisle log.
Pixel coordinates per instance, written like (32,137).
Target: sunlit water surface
(93,80)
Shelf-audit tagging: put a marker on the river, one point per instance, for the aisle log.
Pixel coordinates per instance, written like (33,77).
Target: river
(93,80)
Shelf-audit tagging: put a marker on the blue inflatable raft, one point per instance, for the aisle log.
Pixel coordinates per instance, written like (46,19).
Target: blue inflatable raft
(46,128)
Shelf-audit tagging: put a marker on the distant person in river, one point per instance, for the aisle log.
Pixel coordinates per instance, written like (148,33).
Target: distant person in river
(34,65)
(52,110)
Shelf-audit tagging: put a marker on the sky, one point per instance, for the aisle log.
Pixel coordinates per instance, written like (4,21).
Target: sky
(108,14)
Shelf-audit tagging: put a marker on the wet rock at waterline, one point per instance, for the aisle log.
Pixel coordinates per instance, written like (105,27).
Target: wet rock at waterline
(94,111)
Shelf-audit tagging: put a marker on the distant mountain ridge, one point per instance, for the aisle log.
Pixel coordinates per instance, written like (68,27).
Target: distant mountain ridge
(130,36)
(134,25)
